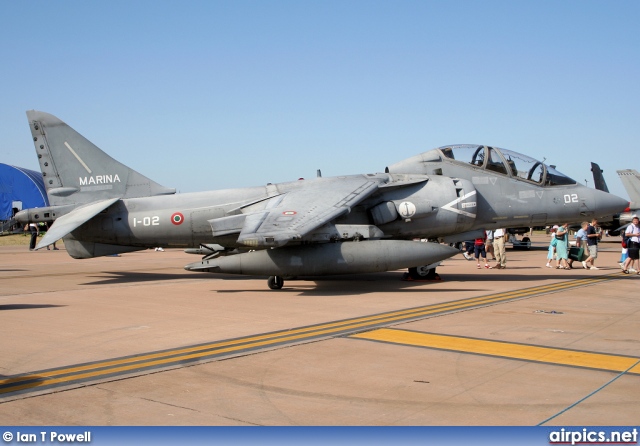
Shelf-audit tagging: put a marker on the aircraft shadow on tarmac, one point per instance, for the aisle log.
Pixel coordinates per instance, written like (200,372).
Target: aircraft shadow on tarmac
(349,285)
(352,284)
(27,306)
(121,277)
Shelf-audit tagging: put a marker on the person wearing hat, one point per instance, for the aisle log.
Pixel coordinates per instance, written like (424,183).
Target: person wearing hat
(633,233)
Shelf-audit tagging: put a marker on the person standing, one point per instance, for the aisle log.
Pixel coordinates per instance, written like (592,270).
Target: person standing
(47,226)
(551,252)
(480,250)
(633,233)
(624,254)
(593,235)
(33,229)
(562,246)
(489,245)
(581,242)
(499,248)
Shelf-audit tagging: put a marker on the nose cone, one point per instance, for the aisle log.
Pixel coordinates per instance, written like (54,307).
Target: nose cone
(609,204)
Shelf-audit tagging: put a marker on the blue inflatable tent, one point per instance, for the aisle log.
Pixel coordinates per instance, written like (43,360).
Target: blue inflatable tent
(18,184)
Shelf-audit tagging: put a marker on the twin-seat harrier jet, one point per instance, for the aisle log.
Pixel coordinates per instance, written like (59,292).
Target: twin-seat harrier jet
(323,226)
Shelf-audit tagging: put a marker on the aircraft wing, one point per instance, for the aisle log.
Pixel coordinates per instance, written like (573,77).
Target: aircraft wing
(292,215)
(68,222)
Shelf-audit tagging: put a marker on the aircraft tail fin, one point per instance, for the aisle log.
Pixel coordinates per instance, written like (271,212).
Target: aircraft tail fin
(77,172)
(631,181)
(598,178)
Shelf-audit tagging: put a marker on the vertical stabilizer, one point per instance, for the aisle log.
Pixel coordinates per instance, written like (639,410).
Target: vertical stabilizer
(631,181)
(75,171)
(598,178)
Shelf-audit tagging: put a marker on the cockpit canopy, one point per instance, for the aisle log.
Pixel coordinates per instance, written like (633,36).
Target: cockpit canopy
(502,161)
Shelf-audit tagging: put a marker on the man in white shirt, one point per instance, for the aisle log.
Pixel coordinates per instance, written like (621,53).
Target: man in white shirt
(633,232)
(499,248)
(33,228)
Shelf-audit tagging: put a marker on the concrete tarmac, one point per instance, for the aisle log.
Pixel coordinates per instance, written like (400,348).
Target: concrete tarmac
(517,346)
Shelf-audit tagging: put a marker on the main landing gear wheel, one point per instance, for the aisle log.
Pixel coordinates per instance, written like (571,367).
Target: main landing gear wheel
(423,273)
(275,282)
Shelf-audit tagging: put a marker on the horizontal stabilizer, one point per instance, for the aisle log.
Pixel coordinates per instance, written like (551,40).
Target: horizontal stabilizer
(87,250)
(68,222)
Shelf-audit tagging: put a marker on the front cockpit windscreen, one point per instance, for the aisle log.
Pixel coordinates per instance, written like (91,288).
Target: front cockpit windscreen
(507,162)
(465,153)
(555,178)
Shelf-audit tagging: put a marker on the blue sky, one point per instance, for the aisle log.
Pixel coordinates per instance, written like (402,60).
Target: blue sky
(201,95)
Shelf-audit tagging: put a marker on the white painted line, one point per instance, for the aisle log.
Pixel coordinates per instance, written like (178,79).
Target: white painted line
(449,207)
(77,157)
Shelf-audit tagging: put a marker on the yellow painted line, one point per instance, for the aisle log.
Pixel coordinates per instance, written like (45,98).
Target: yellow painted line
(317,329)
(548,355)
(168,358)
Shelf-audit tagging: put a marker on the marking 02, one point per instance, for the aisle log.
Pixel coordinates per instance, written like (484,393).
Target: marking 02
(573,198)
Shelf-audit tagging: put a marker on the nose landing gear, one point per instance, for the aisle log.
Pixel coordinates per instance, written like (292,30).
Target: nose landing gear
(275,282)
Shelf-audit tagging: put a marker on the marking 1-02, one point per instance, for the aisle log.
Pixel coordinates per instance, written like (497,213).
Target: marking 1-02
(147,221)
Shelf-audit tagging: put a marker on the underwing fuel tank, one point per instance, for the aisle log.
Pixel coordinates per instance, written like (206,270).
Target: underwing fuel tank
(329,258)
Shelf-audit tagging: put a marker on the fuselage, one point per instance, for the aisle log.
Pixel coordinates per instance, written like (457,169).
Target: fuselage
(438,206)
(453,190)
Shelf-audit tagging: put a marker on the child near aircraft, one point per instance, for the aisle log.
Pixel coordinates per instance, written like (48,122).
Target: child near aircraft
(551,254)
(624,254)
(480,250)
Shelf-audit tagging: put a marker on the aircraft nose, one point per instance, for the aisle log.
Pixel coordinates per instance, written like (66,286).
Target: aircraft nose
(609,204)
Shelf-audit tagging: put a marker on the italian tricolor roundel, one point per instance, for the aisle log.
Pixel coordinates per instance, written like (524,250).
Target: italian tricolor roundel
(177,218)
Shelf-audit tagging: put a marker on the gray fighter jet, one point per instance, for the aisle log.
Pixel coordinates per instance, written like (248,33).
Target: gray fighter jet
(323,226)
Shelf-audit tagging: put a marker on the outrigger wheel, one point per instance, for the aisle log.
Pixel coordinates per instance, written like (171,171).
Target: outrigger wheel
(423,273)
(275,282)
